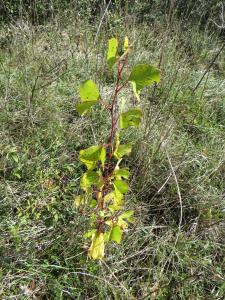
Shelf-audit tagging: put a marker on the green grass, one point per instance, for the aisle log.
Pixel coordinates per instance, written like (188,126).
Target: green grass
(175,250)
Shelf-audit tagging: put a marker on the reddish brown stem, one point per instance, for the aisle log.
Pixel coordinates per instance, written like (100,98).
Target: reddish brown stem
(114,119)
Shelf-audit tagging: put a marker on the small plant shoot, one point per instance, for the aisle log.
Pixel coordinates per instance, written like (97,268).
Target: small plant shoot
(105,182)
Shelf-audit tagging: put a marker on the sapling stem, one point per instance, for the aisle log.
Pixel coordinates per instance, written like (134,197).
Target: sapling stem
(104,184)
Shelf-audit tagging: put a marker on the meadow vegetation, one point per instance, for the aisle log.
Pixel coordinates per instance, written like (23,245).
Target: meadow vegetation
(175,248)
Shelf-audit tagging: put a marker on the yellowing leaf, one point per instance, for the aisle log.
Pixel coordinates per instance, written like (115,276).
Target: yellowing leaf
(109,197)
(88,179)
(97,248)
(131,118)
(107,236)
(115,199)
(109,222)
(89,91)
(128,215)
(123,224)
(79,200)
(122,150)
(143,75)
(116,234)
(112,52)
(126,44)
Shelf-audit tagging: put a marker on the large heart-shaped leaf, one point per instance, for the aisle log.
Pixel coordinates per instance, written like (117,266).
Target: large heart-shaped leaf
(122,150)
(89,91)
(92,155)
(143,75)
(89,94)
(88,179)
(131,118)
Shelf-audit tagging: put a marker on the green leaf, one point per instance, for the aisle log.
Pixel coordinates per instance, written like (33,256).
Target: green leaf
(84,107)
(93,203)
(130,118)
(89,94)
(126,44)
(112,52)
(128,215)
(88,179)
(92,155)
(121,186)
(143,75)
(116,234)
(124,172)
(97,248)
(90,233)
(89,91)
(122,150)
(102,156)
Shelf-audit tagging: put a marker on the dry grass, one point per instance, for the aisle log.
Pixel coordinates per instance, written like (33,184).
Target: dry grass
(175,249)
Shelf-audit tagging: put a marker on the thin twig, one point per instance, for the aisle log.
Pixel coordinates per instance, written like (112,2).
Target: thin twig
(100,24)
(30,99)
(209,67)
(114,276)
(178,193)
